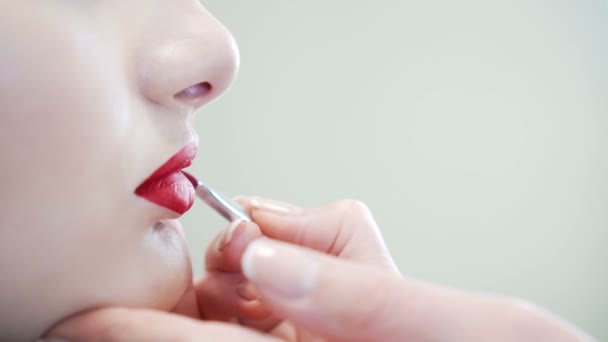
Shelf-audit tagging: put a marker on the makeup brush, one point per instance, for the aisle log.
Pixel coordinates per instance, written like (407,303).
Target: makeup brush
(228,209)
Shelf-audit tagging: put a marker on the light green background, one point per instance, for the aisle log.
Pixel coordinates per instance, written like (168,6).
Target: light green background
(474,130)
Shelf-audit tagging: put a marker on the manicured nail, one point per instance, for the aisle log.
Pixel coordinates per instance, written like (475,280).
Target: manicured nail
(271,206)
(247,291)
(251,203)
(241,199)
(279,268)
(231,232)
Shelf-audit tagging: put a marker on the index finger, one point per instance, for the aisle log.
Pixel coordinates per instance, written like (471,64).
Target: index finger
(344,228)
(224,254)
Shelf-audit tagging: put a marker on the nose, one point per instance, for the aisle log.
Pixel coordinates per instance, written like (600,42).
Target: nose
(190,62)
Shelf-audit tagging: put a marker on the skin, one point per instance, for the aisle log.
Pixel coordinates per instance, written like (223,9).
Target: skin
(320,274)
(92,103)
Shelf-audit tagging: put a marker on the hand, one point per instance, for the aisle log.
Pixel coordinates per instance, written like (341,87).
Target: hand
(341,229)
(343,286)
(325,274)
(344,229)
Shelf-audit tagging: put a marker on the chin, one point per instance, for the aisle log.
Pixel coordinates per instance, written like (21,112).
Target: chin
(151,270)
(169,275)
(155,273)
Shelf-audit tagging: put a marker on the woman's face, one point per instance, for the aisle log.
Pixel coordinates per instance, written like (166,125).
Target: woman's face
(96,96)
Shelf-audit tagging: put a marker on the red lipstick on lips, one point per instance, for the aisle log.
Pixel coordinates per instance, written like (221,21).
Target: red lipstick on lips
(168,186)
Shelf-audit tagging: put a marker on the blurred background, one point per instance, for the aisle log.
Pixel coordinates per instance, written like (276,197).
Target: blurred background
(476,131)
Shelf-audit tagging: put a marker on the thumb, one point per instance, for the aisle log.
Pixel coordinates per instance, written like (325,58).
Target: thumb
(343,301)
(334,298)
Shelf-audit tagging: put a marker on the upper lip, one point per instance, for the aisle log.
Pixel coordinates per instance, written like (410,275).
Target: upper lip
(180,160)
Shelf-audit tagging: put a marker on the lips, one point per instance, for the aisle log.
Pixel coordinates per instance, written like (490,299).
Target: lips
(168,186)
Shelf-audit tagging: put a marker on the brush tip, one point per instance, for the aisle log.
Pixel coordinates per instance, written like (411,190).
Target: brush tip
(191,178)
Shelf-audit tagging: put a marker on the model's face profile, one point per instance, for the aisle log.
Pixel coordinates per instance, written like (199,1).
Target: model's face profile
(97,97)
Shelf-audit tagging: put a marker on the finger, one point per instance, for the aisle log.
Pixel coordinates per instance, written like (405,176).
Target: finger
(119,325)
(282,329)
(224,296)
(344,301)
(337,299)
(223,256)
(345,228)
(225,251)
(188,305)
(268,325)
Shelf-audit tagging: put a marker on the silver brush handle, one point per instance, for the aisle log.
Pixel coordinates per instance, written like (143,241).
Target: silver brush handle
(222,206)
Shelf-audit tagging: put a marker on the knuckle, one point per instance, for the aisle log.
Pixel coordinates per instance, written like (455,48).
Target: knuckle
(352,207)
(359,208)
(357,214)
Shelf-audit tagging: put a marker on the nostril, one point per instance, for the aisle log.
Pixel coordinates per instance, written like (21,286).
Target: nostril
(195,91)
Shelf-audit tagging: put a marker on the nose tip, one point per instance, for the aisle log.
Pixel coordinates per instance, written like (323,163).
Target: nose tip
(190,72)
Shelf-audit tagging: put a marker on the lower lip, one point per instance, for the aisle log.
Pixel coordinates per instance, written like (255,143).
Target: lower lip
(173,191)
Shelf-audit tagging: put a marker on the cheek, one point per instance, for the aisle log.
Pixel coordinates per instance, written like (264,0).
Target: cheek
(61,132)
(70,224)
(64,110)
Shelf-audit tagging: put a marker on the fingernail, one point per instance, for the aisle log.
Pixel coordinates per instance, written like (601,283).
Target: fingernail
(279,268)
(247,291)
(257,203)
(241,199)
(231,232)
(271,206)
